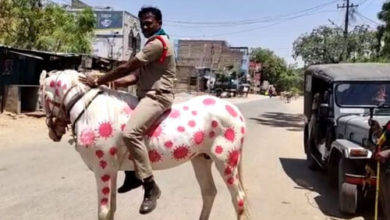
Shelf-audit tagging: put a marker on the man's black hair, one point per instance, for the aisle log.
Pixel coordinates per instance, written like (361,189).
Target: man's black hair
(155,11)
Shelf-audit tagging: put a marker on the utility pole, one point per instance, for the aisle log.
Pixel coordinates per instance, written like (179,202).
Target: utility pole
(347,6)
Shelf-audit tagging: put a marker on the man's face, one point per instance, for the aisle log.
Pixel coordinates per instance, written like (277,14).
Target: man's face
(149,24)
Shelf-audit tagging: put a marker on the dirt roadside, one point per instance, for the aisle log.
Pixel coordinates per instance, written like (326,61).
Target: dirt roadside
(23,127)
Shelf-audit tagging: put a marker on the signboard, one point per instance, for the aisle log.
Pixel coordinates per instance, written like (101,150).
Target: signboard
(109,19)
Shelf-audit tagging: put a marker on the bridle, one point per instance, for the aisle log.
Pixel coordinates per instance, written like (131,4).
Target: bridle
(52,121)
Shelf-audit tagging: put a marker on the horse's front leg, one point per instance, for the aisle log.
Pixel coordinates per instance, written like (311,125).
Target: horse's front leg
(106,190)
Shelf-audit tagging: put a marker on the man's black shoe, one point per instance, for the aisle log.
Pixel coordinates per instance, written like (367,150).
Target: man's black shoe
(152,193)
(131,182)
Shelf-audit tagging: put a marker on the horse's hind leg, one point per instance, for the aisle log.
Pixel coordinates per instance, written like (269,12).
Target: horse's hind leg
(228,161)
(202,168)
(113,193)
(106,190)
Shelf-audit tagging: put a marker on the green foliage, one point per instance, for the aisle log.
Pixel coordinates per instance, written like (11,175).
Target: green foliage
(291,80)
(272,65)
(26,24)
(328,45)
(363,44)
(275,70)
(384,30)
(322,45)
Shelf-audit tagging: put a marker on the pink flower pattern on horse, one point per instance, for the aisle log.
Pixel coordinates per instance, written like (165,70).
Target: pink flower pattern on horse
(87,138)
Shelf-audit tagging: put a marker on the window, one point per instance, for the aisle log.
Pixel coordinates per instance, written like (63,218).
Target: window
(131,39)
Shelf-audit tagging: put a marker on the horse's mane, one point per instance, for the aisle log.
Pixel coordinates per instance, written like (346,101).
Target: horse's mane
(74,79)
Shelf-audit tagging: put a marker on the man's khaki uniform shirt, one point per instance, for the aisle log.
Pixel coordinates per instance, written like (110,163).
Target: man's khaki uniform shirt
(156,76)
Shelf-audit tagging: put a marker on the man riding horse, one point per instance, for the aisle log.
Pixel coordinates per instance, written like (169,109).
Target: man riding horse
(156,69)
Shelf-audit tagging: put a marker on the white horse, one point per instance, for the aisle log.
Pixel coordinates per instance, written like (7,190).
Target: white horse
(204,130)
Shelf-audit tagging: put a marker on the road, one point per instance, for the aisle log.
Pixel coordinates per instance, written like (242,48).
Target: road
(40,179)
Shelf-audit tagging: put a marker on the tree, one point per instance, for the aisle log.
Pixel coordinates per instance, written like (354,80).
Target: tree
(363,44)
(384,30)
(272,65)
(322,45)
(327,45)
(29,25)
(275,70)
(291,80)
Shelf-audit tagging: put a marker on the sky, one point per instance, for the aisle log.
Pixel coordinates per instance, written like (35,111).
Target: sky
(271,24)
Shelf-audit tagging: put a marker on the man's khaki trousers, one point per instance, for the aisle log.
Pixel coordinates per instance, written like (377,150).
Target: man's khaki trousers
(152,106)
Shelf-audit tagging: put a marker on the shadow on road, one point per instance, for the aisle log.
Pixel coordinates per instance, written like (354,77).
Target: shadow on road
(316,182)
(292,122)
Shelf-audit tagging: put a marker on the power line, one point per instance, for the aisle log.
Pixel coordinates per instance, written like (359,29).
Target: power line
(347,7)
(248,24)
(252,29)
(254,21)
(367,5)
(367,18)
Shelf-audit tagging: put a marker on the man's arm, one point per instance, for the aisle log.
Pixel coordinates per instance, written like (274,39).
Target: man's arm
(150,53)
(121,71)
(127,80)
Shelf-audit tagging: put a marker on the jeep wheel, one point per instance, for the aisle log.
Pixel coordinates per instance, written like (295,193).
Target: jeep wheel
(348,193)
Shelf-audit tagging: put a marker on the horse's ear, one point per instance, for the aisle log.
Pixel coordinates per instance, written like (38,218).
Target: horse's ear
(42,77)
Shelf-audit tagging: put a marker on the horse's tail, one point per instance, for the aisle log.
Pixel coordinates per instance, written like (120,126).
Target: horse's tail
(240,176)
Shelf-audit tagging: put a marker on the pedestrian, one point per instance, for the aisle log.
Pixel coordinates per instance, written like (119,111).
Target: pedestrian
(271,91)
(156,71)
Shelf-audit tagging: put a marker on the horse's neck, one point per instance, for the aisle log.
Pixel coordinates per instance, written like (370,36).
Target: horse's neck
(77,91)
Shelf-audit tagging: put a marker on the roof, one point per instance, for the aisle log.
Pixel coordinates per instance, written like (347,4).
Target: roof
(351,72)
(37,52)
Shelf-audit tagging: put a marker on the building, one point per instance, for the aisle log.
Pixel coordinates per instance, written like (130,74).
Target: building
(245,58)
(213,54)
(186,79)
(117,33)
(20,70)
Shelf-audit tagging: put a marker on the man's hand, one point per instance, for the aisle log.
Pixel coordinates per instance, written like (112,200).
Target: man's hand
(383,155)
(89,81)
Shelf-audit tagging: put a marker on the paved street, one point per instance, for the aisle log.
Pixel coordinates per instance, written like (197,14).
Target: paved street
(40,179)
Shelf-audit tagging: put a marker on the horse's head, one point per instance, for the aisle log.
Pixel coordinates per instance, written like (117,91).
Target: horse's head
(54,87)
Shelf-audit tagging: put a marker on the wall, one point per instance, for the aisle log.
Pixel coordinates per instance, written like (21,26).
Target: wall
(13,103)
(183,79)
(208,54)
